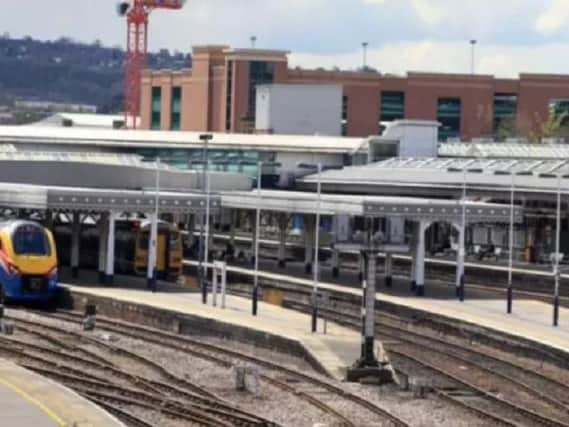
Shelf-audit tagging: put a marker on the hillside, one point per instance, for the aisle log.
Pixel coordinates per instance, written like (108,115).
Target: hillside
(69,71)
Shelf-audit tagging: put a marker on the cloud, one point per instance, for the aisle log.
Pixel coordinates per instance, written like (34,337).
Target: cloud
(513,35)
(553,19)
(431,12)
(448,57)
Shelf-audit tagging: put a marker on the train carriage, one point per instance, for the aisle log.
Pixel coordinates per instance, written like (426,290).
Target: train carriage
(28,262)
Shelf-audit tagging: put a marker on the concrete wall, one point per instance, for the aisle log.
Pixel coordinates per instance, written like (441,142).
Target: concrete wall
(417,138)
(299,109)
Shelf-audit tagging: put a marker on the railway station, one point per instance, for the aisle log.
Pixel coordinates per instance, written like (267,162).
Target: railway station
(250,237)
(339,266)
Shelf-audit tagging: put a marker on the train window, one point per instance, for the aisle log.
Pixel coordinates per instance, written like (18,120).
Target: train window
(30,240)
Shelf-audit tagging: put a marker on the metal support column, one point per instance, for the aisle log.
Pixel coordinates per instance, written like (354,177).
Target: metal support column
(367,354)
(420,258)
(75,241)
(283,224)
(388,270)
(254,225)
(335,262)
(414,259)
(309,223)
(151,270)
(110,262)
(231,249)
(460,263)
(103,230)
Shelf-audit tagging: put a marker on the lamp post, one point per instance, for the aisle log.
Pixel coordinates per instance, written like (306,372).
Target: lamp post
(253,41)
(472,52)
(364,46)
(260,165)
(512,174)
(510,238)
(460,279)
(319,169)
(202,279)
(557,255)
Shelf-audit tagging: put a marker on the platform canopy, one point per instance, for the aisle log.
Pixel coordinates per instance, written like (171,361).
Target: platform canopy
(504,150)
(17,196)
(106,170)
(439,177)
(413,209)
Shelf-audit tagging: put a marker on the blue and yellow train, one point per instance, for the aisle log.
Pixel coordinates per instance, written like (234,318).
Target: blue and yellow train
(28,262)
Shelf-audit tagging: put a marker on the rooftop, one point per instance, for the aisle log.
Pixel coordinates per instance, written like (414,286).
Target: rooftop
(152,138)
(504,150)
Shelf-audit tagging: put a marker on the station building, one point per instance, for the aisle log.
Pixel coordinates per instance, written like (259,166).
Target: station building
(218,94)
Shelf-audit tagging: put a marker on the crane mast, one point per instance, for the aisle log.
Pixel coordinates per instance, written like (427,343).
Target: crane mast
(137,12)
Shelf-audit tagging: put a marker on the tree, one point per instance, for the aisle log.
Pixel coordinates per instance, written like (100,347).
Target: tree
(506,128)
(555,126)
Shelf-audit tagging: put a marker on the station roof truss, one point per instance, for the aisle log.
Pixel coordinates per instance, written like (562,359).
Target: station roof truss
(530,176)
(413,209)
(17,196)
(504,150)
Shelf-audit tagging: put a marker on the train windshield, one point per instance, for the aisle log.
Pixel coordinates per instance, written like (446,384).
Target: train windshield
(30,240)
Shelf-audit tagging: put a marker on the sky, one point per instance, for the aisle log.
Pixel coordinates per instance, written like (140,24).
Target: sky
(512,36)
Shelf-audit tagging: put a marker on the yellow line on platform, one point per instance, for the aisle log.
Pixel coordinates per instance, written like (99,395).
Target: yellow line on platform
(51,414)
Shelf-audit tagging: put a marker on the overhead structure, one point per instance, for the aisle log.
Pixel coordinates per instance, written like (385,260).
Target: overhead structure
(137,12)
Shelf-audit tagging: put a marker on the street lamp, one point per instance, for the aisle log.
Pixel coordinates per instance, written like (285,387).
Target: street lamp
(462,232)
(364,46)
(472,48)
(151,268)
(557,257)
(319,168)
(205,138)
(512,174)
(260,165)
(253,41)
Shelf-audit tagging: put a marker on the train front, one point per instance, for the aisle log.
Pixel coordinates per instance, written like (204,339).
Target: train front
(28,262)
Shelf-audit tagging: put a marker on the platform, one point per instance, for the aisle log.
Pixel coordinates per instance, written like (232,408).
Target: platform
(334,351)
(30,400)
(530,319)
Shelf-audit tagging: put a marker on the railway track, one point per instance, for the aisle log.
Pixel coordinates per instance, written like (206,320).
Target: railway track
(498,284)
(91,378)
(302,385)
(492,387)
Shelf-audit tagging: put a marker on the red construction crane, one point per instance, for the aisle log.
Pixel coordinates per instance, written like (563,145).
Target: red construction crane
(136,12)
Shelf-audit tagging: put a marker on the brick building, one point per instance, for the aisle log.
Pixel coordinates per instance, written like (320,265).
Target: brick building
(218,95)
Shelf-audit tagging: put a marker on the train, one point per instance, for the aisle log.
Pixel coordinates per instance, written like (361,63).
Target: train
(131,247)
(28,262)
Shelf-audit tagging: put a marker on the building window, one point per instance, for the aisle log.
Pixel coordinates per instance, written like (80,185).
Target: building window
(557,107)
(448,114)
(505,108)
(229,96)
(156,107)
(392,107)
(344,115)
(176,107)
(260,72)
